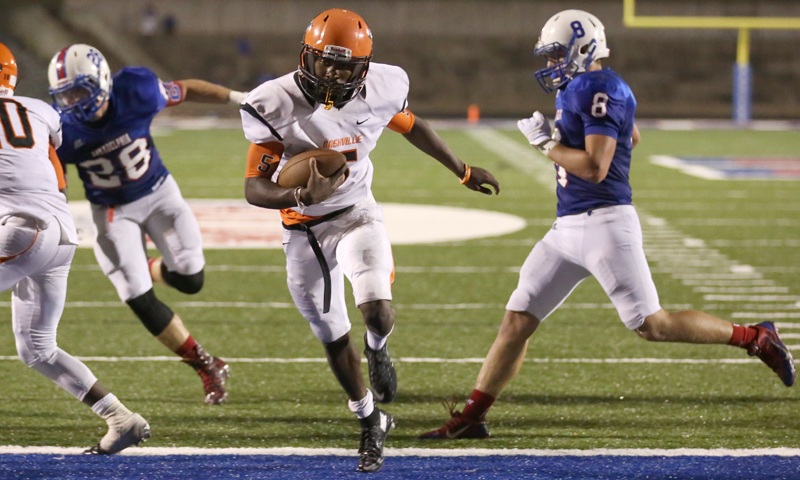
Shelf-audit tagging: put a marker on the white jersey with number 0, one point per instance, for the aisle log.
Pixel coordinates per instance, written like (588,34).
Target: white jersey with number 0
(28,182)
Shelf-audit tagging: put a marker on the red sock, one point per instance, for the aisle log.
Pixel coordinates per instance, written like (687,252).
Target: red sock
(478,404)
(742,335)
(188,350)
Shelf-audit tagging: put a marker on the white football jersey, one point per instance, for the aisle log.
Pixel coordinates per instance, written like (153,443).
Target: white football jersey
(288,117)
(28,182)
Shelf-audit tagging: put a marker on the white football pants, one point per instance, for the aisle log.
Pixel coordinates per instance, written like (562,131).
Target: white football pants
(605,243)
(167,219)
(38,279)
(355,245)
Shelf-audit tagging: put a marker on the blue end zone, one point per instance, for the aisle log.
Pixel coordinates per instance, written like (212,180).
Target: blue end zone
(733,168)
(269,467)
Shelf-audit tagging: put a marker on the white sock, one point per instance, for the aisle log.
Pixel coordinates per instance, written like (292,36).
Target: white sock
(111,409)
(364,407)
(376,342)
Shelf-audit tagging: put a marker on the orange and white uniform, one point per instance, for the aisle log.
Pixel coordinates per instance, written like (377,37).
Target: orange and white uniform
(29,178)
(37,239)
(354,244)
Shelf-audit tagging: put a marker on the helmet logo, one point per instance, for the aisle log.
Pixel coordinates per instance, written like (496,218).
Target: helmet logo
(94,57)
(579,32)
(577,29)
(337,51)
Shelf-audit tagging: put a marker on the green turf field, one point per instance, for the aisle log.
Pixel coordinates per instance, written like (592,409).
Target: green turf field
(588,382)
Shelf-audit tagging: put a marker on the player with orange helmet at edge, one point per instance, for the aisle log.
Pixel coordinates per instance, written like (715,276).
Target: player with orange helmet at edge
(333,228)
(37,244)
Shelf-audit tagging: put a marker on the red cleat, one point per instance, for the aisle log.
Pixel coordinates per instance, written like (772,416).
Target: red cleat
(458,427)
(770,349)
(214,372)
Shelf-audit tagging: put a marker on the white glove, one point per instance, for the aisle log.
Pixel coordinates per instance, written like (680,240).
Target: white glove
(236,98)
(537,130)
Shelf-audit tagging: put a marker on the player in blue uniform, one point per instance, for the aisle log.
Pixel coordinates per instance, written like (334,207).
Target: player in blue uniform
(597,230)
(611,115)
(106,132)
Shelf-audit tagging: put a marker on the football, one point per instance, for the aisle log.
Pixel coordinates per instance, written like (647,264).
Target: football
(296,170)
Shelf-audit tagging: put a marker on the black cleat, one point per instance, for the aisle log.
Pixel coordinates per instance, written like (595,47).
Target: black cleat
(382,375)
(372,439)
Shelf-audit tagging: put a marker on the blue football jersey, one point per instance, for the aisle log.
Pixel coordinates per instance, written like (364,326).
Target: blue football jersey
(601,103)
(115,156)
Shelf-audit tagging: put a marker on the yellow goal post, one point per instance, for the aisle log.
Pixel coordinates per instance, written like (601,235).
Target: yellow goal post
(742,72)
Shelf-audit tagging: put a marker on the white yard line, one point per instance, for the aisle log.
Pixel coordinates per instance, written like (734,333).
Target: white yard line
(438,360)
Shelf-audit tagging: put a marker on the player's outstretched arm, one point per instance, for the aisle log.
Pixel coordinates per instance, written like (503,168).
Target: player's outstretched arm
(206,92)
(422,136)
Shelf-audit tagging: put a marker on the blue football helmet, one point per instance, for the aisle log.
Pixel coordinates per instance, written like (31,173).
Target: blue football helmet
(570,41)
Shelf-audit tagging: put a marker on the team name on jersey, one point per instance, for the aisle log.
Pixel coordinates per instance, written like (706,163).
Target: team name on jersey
(112,145)
(339,142)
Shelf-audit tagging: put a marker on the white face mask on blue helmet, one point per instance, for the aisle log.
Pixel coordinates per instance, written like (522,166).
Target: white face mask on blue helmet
(571,40)
(80,81)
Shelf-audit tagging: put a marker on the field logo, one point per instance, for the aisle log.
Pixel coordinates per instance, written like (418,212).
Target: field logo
(733,168)
(233,224)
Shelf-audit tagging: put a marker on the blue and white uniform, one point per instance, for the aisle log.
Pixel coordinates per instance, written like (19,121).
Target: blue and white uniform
(116,158)
(131,192)
(595,103)
(597,231)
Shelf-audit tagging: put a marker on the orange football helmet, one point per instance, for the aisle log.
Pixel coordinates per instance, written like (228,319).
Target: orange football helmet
(337,49)
(8,71)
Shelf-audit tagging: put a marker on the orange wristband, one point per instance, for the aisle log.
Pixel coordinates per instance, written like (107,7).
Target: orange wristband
(467,174)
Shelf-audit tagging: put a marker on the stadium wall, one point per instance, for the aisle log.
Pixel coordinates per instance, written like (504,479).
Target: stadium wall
(462,52)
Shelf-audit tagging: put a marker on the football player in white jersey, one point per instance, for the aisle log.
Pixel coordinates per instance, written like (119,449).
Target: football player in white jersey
(37,243)
(333,227)
(597,231)
(106,122)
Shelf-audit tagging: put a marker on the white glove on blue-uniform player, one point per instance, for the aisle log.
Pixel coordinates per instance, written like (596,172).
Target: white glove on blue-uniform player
(537,130)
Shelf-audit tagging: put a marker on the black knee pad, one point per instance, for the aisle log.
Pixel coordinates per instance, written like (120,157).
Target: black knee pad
(183,283)
(152,312)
